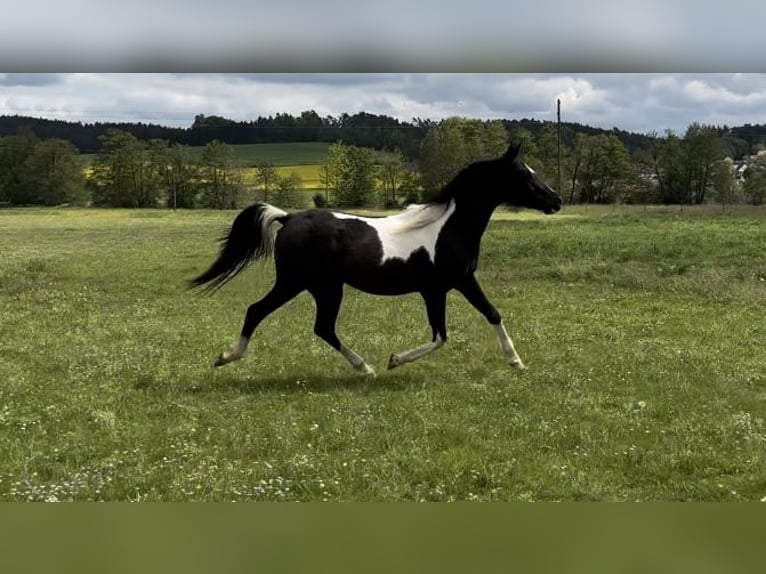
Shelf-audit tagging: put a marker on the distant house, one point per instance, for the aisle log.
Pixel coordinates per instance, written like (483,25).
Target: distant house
(740,166)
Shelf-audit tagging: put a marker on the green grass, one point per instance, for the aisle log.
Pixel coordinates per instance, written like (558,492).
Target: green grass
(279,154)
(642,331)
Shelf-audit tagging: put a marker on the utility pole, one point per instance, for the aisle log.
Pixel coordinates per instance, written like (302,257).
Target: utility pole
(558,140)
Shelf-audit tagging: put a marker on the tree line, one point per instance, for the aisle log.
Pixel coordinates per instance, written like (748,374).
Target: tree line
(131,173)
(695,167)
(362,129)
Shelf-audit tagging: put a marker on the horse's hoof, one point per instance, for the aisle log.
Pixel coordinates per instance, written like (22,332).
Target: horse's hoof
(367,370)
(518,365)
(223,359)
(393,362)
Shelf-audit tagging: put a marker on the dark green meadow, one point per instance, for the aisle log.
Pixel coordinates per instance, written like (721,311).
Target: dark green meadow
(277,154)
(643,333)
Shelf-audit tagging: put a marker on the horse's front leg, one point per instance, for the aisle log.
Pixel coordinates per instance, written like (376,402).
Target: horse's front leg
(472,291)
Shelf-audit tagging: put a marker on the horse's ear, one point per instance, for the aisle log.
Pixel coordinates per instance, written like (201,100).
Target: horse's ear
(514,150)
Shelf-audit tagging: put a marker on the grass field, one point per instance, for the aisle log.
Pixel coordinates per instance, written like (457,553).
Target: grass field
(643,332)
(281,155)
(278,154)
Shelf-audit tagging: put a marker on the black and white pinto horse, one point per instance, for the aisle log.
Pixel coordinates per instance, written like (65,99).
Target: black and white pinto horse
(429,249)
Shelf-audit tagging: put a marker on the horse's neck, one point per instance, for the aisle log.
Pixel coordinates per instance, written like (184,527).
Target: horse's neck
(473,218)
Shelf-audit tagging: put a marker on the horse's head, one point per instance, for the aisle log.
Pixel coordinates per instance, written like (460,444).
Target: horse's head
(526,188)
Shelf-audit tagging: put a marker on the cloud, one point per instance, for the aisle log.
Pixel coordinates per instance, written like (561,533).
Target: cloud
(29,79)
(635,102)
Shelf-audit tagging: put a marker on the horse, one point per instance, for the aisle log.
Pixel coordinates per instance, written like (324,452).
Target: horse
(428,248)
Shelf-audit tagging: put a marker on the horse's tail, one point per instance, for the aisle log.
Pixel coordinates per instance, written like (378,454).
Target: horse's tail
(251,237)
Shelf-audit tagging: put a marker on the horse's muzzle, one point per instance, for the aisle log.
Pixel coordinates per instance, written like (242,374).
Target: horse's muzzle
(553,208)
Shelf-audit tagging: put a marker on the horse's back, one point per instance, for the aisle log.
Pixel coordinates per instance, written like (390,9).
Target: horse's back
(320,247)
(309,239)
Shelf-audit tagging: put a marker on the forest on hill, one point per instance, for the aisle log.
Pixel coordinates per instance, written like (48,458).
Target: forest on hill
(361,129)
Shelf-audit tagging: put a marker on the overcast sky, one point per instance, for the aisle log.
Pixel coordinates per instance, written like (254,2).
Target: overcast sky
(513,38)
(635,102)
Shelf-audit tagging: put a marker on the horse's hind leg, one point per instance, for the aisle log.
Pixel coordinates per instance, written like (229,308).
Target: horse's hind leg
(280,294)
(436,306)
(328,299)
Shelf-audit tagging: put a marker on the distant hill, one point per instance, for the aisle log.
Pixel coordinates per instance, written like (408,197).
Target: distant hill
(362,129)
(312,131)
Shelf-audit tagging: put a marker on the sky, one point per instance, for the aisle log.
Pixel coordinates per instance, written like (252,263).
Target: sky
(639,66)
(638,102)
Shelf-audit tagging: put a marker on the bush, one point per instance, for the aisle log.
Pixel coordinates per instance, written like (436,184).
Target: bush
(319,200)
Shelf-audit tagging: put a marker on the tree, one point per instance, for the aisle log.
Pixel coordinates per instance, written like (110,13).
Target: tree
(267,177)
(121,175)
(287,192)
(348,175)
(54,174)
(393,167)
(483,139)
(222,182)
(174,173)
(734,147)
(724,182)
(15,150)
(325,180)
(547,153)
(703,150)
(668,159)
(618,174)
(442,155)
(581,151)
(330,169)
(183,174)
(452,144)
(356,177)
(755,182)
(523,137)
(411,187)
(603,168)
(684,168)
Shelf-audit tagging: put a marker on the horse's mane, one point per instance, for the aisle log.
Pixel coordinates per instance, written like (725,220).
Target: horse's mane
(457,184)
(418,215)
(421,214)
(446,193)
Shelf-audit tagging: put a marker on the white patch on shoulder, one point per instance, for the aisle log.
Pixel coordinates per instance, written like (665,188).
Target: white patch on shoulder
(415,227)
